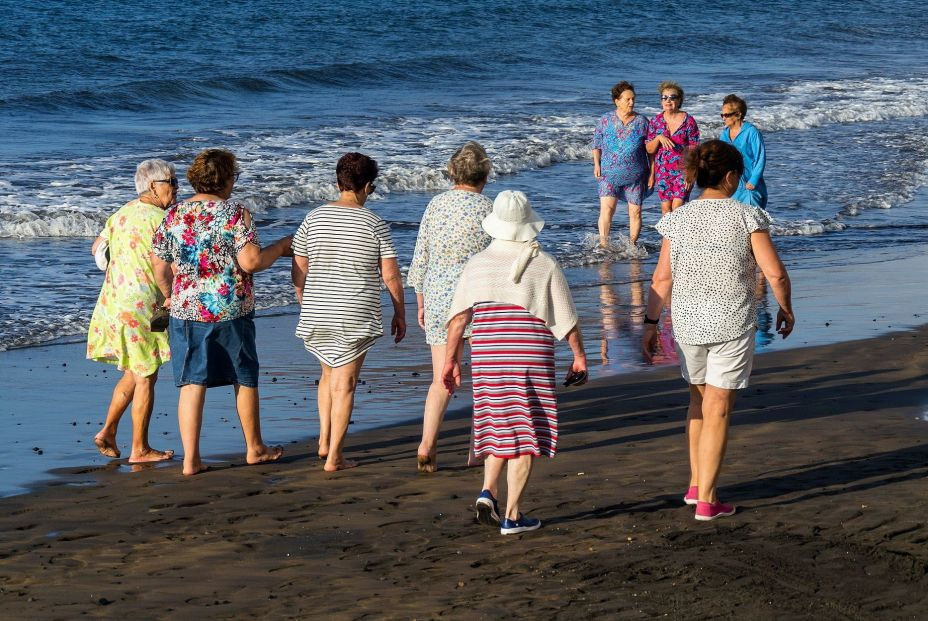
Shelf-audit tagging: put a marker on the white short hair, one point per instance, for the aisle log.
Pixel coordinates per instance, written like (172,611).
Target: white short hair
(151,170)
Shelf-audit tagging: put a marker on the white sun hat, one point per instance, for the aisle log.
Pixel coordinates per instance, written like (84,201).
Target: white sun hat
(513,218)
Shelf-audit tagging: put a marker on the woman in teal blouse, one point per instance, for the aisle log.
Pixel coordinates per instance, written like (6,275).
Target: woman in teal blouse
(747,139)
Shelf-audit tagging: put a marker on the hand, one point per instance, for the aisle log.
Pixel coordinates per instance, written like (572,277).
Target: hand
(785,322)
(649,342)
(748,186)
(651,182)
(597,172)
(577,367)
(287,243)
(398,328)
(451,376)
(420,315)
(666,142)
(167,303)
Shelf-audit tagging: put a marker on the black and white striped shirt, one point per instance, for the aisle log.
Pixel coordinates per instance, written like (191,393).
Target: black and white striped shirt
(340,317)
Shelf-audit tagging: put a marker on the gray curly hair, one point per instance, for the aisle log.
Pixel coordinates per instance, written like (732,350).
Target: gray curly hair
(152,170)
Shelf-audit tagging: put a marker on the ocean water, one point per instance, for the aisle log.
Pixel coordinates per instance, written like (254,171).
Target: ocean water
(840,91)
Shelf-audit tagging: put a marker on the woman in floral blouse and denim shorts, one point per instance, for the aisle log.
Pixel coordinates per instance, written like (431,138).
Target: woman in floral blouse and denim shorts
(712,247)
(213,245)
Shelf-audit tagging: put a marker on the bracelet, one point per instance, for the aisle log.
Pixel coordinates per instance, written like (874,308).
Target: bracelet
(652,322)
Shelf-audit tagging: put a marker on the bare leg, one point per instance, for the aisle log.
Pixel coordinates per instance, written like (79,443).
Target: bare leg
(436,403)
(324,403)
(717,404)
(634,222)
(122,397)
(342,383)
(517,473)
(492,468)
(256,452)
(190,421)
(143,400)
(677,203)
(665,207)
(694,428)
(606,211)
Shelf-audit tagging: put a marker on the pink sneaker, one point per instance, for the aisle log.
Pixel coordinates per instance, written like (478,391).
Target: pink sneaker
(707,511)
(692,496)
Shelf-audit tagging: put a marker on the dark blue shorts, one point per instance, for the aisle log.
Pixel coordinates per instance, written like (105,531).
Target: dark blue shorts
(214,354)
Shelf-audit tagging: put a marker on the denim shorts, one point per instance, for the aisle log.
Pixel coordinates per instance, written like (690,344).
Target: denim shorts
(214,354)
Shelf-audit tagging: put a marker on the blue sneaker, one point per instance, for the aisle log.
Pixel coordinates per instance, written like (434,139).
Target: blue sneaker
(487,509)
(514,527)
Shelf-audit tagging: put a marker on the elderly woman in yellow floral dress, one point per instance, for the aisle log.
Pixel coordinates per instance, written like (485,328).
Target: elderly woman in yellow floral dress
(120,329)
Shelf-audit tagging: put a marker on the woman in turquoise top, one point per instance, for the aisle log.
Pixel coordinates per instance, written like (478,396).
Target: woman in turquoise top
(747,139)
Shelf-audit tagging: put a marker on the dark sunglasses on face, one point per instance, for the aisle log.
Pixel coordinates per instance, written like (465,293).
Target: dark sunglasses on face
(238,174)
(726,115)
(669,97)
(172,181)
(373,187)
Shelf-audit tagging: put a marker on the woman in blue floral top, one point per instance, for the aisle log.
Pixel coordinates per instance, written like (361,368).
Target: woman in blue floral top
(620,162)
(449,235)
(213,246)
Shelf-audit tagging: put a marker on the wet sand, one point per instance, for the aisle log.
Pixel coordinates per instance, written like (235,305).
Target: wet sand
(827,464)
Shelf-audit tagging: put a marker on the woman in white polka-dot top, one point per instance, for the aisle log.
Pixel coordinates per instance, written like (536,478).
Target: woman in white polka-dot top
(711,250)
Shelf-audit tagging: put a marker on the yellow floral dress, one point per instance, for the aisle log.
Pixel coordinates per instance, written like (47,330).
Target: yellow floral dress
(120,327)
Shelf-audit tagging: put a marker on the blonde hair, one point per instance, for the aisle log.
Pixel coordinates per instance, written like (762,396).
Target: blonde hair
(669,85)
(470,164)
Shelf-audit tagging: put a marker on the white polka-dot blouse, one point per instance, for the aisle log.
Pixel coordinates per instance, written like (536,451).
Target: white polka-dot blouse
(713,268)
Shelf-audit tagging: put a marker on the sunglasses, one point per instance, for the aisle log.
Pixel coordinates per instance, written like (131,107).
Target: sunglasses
(238,174)
(726,115)
(172,181)
(669,97)
(373,187)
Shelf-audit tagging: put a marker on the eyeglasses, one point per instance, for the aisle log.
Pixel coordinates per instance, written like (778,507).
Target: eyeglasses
(373,187)
(172,181)
(238,174)
(726,115)
(669,97)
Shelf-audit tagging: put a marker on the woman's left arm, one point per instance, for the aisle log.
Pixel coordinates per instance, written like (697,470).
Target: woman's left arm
(393,280)
(298,271)
(760,160)
(253,258)
(775,272)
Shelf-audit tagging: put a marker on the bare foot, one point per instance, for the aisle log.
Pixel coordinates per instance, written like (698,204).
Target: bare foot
(200,468)
(106,446)
(426,463)
(343,464)
(263,454)
(323,448)
(150,455)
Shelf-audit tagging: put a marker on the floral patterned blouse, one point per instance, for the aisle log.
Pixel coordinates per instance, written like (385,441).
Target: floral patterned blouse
(450,233)
(624,159)
(203,239)
(119,329)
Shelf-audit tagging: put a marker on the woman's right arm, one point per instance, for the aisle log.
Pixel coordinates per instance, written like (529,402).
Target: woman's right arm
(96,242)
(775,272)
(164,275)
(451,375)
(298,271)
(661,286)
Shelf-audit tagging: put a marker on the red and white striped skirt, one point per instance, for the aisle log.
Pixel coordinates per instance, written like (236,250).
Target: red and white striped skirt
(512,362)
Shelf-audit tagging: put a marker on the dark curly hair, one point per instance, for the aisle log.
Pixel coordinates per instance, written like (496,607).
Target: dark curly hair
(354,171)
(211,171)
(620,88)
(708,163)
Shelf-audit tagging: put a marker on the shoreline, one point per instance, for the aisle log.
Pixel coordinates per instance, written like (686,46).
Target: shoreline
(827,463)
(55,399)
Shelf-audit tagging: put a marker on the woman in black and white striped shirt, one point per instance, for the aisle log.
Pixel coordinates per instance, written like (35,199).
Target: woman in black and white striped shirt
(340,253)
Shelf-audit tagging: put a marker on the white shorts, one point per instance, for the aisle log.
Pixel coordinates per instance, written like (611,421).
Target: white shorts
(723,365)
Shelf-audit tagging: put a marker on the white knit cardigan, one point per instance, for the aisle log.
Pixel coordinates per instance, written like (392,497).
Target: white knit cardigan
(492,276)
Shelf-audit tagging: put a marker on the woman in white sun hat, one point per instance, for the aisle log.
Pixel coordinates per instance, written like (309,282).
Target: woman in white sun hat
(519,302)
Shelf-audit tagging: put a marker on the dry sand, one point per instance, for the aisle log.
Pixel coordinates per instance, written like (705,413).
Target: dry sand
(827,465)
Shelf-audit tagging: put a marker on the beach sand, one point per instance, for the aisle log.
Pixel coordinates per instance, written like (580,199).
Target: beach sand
(827,465)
